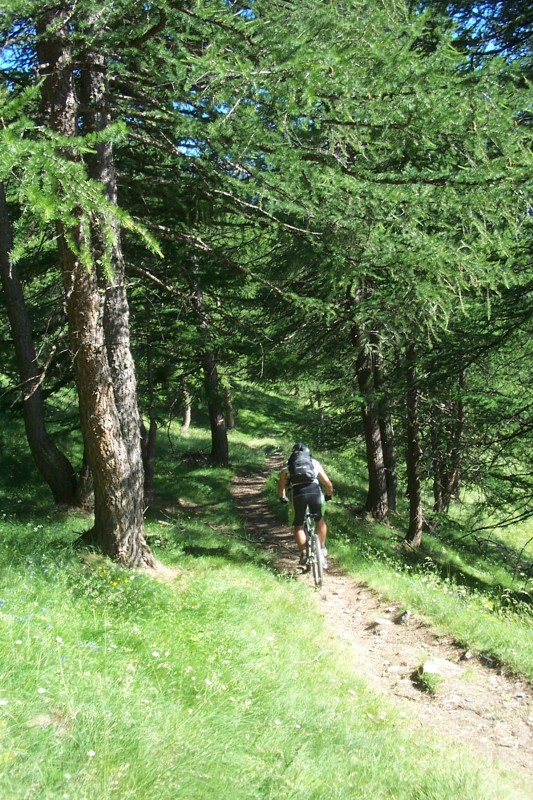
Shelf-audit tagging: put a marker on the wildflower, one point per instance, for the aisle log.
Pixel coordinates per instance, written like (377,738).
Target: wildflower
(91,753)
(155,654)
(40,690)
(4,701)
(59,640)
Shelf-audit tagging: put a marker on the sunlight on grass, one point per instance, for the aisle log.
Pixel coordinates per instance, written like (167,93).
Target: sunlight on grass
(222,681)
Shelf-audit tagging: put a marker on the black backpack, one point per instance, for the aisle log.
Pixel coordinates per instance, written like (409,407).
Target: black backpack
(300,465)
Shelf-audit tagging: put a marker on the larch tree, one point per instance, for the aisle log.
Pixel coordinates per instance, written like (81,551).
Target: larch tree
(51,462)
(74,139)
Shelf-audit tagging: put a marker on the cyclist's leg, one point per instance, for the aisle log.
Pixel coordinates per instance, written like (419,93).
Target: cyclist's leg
(300,504)
(299,536)
(322,530)
(316,506)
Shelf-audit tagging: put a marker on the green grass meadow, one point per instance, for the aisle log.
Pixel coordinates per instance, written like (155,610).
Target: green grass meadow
(219,680)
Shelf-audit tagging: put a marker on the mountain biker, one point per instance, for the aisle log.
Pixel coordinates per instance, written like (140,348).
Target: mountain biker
(308,493)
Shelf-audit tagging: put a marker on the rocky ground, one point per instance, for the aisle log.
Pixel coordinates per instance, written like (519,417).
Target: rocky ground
(479,704)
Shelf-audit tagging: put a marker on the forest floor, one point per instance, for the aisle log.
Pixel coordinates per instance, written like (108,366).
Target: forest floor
(480,705)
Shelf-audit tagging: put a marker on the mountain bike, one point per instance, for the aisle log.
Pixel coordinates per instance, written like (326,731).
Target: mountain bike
(313,550)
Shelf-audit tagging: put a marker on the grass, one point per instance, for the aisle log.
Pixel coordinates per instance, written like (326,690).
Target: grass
(428,682)
(220,682)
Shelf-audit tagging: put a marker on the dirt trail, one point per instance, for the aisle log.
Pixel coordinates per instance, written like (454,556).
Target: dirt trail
(488,710)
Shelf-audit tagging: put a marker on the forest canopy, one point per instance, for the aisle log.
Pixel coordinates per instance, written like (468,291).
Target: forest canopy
(334,195)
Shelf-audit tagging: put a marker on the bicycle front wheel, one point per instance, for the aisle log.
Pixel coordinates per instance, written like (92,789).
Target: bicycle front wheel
(316,560)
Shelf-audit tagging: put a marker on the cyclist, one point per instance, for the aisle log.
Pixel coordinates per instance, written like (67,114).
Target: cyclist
(306,493)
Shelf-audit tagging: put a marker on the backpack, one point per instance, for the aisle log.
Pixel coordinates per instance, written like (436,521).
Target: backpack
(301,469)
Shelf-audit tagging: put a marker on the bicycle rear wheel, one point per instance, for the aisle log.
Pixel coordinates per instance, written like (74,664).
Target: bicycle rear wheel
(316,560)
(308,532)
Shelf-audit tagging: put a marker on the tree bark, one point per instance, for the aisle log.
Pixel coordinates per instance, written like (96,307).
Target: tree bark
(149,437)
(97,313)
(413,453)
(213,389)
(230,415)
(51,462)
(386,428)
(186,409)
(85,490)
(377,496)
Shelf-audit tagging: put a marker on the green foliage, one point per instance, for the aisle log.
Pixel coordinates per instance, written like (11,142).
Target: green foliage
(429,682)
(312,167)
(213,679)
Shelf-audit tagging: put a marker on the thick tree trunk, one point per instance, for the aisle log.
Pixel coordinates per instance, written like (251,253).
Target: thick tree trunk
(53,465)
(413,454)
(97,312)
(377,496)
(85,490)
(213,389)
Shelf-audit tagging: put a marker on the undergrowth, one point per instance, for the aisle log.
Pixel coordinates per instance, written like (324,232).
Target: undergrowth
(219,681)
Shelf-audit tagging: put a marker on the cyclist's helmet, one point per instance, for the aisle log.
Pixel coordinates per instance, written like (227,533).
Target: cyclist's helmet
(299,447)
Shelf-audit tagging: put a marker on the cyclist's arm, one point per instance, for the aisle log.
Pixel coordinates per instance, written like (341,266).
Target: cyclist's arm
(325,481)
(282,482)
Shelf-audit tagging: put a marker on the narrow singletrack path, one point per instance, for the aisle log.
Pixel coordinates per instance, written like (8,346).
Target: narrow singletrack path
(483,707)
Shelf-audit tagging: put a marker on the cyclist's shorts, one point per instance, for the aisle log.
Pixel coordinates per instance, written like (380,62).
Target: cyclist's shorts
(304,496)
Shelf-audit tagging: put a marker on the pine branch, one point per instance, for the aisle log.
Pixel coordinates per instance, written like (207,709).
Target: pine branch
(144,273)
(151,32)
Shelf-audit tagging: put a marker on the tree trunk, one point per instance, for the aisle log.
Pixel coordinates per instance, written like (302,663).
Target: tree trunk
(149,437)
(228,402)
(85,490)
(186,410)
(377,496)
(389,454)
(97,313)
(53,465)
(454,483)
(437,460)
(214,393)
(413,454)
(321,417)
(385,427)
(447,438)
